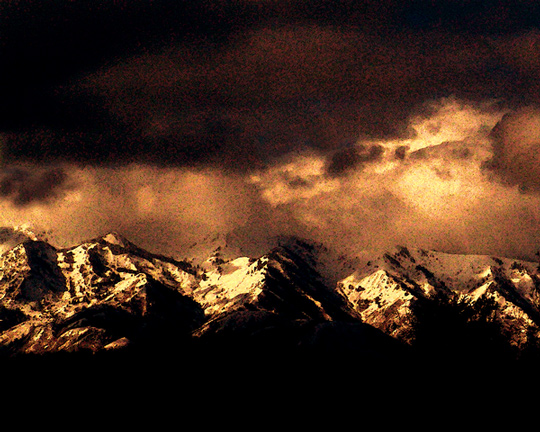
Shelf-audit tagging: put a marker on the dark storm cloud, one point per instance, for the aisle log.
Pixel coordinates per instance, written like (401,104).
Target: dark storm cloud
(516,149)
(273,91)
(400,152)
(24,186)
(352,158)
(235,83)
(43,44)
(171,120)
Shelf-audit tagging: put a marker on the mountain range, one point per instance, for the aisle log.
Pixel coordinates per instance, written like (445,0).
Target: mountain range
(107,298)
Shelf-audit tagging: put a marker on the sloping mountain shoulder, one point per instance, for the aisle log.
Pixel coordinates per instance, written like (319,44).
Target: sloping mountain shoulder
(107,295)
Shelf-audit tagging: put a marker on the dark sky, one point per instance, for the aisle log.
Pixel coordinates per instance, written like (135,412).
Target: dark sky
(265,71)
(281,112)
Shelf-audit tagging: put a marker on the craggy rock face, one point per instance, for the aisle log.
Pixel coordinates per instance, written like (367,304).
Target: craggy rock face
(30,273)
(90,296)
(107,294)
(388,289)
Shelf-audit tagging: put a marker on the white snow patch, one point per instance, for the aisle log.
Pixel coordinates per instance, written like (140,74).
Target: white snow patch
(219,288)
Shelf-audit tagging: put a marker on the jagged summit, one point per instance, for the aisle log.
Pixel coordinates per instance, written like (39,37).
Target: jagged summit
(115,238)
(109,294)
(12,236)
(223,244)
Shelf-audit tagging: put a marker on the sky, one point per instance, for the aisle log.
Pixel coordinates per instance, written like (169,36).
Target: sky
(359,124)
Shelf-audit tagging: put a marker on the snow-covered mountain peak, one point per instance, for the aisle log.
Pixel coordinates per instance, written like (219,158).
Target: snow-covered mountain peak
(331,264)
(12,236)
(457,272)
(223,245)
(385,287)
(108,292)
(115,239)
(27,232)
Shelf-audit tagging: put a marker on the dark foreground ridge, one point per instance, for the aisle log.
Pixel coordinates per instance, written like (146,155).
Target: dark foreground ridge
(108,305)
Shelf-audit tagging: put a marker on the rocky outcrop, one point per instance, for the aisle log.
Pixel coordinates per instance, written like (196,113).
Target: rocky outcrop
(103,294)
(108,295)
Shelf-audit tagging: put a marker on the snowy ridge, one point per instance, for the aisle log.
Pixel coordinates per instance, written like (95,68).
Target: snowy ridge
(381,300)
(384,288)
(108,294)
(76,298)
(230,284)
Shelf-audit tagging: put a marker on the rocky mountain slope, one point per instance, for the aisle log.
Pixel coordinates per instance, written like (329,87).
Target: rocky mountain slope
(384,290)
(107,295)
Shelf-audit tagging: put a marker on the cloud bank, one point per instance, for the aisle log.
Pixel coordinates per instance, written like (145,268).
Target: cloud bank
(442,193)
(516,149)
(359,124)
(270,90)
